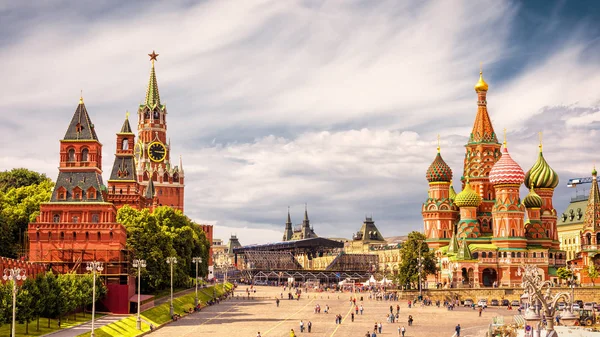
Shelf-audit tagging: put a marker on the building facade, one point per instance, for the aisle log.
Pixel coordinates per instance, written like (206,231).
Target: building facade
(481,235)
(570,225)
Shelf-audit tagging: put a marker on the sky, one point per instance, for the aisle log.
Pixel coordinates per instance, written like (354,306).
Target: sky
(336,104)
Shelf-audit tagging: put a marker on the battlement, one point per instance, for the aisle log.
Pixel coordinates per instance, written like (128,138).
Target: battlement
(31,269)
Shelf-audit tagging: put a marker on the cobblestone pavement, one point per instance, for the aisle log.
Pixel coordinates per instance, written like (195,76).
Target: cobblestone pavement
(237,317)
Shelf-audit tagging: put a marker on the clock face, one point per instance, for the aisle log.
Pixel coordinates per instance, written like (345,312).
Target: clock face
(157,151)
(137,151)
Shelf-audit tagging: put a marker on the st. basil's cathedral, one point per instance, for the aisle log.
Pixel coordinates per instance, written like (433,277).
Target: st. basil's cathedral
(484,233)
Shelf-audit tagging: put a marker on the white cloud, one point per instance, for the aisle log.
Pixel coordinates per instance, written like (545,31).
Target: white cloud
(277,103)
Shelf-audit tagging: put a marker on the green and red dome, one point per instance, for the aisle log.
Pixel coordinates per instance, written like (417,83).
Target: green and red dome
(439,171)
(541,175)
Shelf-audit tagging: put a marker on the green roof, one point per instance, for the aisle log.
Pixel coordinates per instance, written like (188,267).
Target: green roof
(476,246)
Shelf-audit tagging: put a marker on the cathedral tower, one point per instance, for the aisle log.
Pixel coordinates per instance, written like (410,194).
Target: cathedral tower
(468,201)
(439,211)
(482,152)
(287,234)
(152,152)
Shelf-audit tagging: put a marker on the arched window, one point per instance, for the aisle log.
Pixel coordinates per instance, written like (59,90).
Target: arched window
(597,237)
(37,236)
(541,254)
(87,236)
(125,144)
(95,218)
(518,254)
(156,114)
(175,177)
(550,255)
(475,255)
(62,236)
(589,238)
(74,236)
(111,236)
(504,254)
(84,154)
(490,255)
(71,155)
(512,231)
(483,255)
(512,254)
(75,219)
(534,255)
(56,218)
(99,236)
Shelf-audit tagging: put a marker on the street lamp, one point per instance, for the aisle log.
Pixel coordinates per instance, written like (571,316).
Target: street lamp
(196,260)
(14,274)
(94,266)
(539,293)
(171,260)
(139,264)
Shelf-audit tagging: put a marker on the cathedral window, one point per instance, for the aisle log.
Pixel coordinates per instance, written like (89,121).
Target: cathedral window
(512,254)
(87,236)
(99,236)
(85,155)
(589,238)
(125,144)
(475,255)
(154,176)
(490,254)
(518,254)
(74,236)
(598,237)
(483,255)
(56,218)
(91,193)
(534,255)
(111,236)
(71,155)
(156,114)
(95,218)
(75,219)
(62,236)
(166,178)
(175,177)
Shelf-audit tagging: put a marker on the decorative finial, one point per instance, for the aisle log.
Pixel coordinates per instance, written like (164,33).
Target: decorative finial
(504,143)
(153,57)
(127,114)
(540,135)
(480,68)
(81,96)
(438,147)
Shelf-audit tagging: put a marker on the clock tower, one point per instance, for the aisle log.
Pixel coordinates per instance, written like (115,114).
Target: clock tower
(152,152)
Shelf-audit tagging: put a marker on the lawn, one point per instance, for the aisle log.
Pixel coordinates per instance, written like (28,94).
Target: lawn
(20,329)
(157,315)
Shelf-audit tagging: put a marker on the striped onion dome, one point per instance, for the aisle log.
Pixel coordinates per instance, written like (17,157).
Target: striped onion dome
(439,171)
(467,197)
(532,200)
(541,175)
(506,171)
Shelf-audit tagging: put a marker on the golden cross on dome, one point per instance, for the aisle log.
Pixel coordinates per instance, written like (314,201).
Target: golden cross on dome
(438,147)
(153,57)
(540,135)
(127,114)
(81,96)
(481,67)
(504,137)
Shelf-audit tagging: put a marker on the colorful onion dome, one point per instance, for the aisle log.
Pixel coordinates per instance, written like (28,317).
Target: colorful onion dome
(439,171)
(506,171)
(452,194)
(481,85)
(541,175)
(467,197)
(532,200)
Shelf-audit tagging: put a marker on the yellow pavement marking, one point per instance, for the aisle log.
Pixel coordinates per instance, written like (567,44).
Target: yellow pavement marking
(338,325)
(287,318)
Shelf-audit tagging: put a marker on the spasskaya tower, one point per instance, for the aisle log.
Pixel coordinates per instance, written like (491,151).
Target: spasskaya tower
(152,152)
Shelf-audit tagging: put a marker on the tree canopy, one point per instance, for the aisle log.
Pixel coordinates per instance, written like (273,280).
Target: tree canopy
(21,193)
(408,274)
(154,236)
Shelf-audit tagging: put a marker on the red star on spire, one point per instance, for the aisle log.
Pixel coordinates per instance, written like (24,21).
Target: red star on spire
(153,56)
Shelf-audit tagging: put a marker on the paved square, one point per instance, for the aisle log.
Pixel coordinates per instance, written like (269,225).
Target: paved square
(237,317)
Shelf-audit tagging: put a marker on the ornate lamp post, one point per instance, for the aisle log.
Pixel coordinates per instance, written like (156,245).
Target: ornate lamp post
(14,275)
(196,260)
(94,267)
(139,264)
(541,299)
(171,260)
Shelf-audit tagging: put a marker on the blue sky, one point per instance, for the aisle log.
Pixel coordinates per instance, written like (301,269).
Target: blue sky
(334,103)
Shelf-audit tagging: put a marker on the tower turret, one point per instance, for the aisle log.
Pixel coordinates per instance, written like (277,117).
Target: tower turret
(287,234)
(468,201)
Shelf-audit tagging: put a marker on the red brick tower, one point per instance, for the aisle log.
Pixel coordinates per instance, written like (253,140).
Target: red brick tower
(439,211)
(123,187)
(482,152)
(79,225)
(152,152)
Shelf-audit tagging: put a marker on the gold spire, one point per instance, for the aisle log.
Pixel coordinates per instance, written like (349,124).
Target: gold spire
(504,143)
(438,147)
(81,97)
(481,85)
(127,114)
(540,135)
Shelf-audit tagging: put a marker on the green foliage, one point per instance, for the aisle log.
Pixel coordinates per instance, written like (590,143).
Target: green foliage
(158,235)
(592,273)
(409,252)
(21,193)
(20,177)
(564,273)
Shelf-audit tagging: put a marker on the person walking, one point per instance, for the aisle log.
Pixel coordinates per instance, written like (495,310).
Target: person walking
(309,326)
(292,333)
(301,326)
(277,302)
(391,309)
(403,330)
(380,326)
(374,334)
(352,317)
(480,310)
(368,334)
(258,334)
(457,329)
(410,320)
(361,309)
(356,309)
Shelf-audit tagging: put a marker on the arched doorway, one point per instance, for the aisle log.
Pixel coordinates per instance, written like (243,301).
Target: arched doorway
(489,276)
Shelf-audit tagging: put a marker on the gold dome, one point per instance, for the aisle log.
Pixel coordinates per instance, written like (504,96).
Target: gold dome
(481,85)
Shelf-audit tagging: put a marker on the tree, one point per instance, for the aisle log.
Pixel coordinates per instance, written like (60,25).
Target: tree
(19,177)
(564,273)
(5,302)
(593,273)
(409,271)
(154,236)
(25,303)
